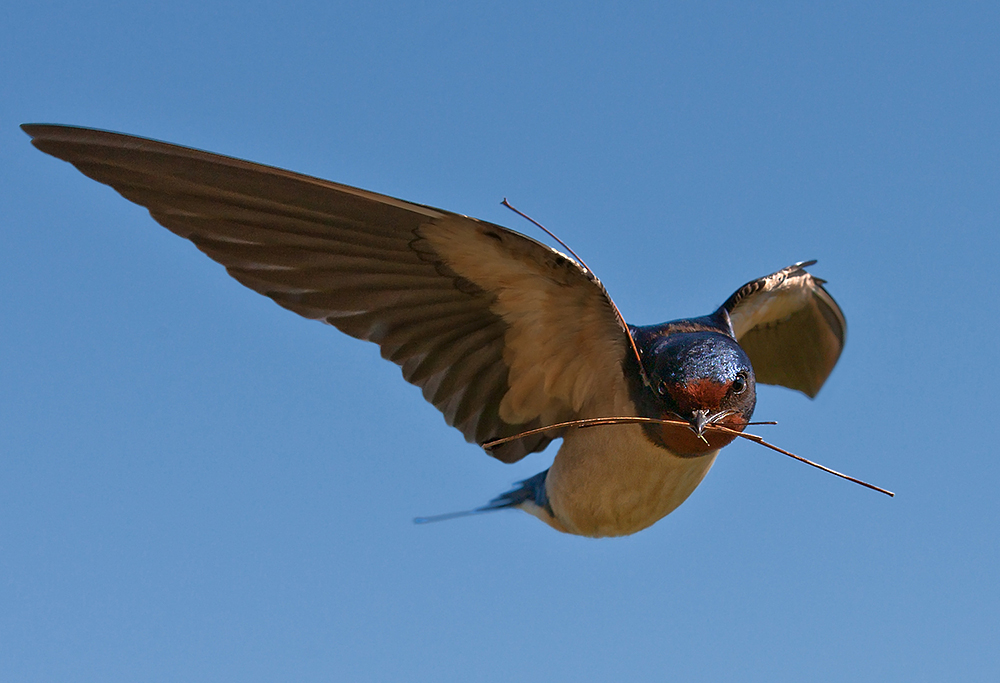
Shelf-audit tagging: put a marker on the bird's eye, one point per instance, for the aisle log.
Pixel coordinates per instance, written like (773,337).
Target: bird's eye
(739,384)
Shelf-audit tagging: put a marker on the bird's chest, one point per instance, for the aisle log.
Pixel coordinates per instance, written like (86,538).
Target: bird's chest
(613,481)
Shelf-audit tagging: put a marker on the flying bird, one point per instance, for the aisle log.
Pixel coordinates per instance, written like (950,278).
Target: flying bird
(507,337)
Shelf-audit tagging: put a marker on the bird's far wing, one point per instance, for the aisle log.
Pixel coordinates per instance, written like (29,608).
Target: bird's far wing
(502,333)
(791,328)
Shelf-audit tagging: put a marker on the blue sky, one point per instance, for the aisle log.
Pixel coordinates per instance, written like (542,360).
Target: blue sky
(198,485)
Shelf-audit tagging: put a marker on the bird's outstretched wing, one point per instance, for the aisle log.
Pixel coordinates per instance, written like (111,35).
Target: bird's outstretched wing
(791,328)
(502,333)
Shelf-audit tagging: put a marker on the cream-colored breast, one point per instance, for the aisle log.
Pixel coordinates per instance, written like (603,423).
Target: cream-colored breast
(611,481)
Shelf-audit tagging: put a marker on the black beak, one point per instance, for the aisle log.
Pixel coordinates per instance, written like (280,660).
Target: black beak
(698,421)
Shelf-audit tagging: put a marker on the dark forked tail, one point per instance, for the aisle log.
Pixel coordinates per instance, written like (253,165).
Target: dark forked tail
(529,490)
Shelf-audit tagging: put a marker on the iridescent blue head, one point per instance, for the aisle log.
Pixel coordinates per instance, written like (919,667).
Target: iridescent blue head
(697,373)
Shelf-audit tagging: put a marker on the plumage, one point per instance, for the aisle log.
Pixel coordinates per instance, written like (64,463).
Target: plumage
(502,333)
(791,328)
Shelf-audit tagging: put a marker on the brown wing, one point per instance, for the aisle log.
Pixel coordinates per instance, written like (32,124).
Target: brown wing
(791,328)
(502,333)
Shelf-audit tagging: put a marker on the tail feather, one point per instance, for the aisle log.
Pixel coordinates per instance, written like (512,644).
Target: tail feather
(530,490)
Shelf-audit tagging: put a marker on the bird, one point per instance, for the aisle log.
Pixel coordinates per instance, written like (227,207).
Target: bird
(516,343)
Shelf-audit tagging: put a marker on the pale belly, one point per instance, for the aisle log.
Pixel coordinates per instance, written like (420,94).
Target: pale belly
(611,481)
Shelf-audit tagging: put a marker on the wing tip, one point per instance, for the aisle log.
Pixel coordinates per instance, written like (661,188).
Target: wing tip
(48,130)
(35,131)
(52,138)
(29,127)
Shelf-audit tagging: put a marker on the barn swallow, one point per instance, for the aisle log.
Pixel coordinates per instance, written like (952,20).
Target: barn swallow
(503,334)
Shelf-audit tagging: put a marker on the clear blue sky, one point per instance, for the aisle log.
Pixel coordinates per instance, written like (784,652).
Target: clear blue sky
(196,485)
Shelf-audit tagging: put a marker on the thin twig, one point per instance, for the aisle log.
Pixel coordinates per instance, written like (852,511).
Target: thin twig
(597,281)
(760,440)
(550,234)
(583,424)
(601,421)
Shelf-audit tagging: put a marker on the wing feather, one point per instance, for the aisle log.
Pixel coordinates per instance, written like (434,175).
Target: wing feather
(500,332)
(790,327)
